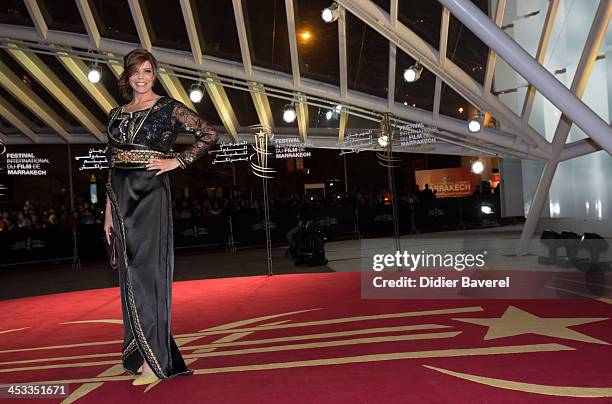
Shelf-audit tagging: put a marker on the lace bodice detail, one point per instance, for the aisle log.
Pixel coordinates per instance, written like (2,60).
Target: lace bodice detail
(156,128)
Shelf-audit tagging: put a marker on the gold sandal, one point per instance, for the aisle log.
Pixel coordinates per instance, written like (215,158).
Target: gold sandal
(142,380)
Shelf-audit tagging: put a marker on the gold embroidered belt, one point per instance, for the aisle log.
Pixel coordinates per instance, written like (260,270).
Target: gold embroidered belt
(136,158)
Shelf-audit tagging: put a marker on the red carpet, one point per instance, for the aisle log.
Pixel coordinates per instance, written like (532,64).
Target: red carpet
(311,338)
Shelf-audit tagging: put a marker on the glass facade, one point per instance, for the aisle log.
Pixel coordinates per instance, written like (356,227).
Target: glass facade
(580,187)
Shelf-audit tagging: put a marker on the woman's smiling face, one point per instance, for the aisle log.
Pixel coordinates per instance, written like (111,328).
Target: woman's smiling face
(143,80)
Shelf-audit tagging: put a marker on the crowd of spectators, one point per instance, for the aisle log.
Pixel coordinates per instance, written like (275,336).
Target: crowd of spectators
(29,216)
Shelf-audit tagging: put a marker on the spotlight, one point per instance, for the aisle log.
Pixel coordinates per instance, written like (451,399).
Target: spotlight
(95,74)
(475,124)
(289,114)
(486,209)
(329,115)
(383,140)
(195,93)
(330,14)
(413,73)
(338,108)
(477,167)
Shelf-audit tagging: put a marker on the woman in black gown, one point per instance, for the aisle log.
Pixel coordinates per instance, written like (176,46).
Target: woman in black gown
(139,211)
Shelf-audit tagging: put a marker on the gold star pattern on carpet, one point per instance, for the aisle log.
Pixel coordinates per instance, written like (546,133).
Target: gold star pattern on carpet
(515,321)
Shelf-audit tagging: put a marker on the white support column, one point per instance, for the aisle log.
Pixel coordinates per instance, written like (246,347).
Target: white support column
(89,22)
(535,73)
(549,23)
(490,69)
(192,32)
(37,18)
(581,78)
(49,80)
(18,120)
(78,69)
(141,25)
(33,102)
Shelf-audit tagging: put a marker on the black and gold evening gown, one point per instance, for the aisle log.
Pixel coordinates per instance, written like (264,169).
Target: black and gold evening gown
(142,219)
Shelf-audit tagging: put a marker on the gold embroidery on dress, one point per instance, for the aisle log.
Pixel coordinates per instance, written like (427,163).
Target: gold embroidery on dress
(143,345)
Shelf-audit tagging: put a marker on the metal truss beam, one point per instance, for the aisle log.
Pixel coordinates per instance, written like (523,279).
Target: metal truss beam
(579,83)
(342,55)
(533,72)
(89,22)
(37,18)
(549,23)
(262,104)
(301,109)
(18,120)
(492,57)
(243,39)
(34,103)
(174,87)
(140,23)
(219,98)
(284,81)
(258,93)
(437,99)
(450,73)
(293,47)
(443,36)
(78,69)
(342,124)
(192,31)
(52,83)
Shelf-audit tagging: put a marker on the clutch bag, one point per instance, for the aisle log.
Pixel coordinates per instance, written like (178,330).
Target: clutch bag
(111,250)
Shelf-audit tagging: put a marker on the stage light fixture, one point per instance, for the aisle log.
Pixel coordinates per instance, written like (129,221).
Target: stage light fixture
(329,115)
(413,73)
(477,167)
(95,74)
(383,140)
(330,14)
(486,209)
(196,93)
(289,114)
(475,123)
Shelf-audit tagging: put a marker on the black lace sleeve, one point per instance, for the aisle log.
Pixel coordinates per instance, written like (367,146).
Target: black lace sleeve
(188,121)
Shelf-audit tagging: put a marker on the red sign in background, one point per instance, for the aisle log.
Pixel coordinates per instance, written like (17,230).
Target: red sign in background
(448,182)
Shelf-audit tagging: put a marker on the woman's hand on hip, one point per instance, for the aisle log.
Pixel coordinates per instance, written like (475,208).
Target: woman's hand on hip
(163,165)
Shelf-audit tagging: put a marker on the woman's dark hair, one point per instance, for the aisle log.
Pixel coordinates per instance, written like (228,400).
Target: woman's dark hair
(131,63)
